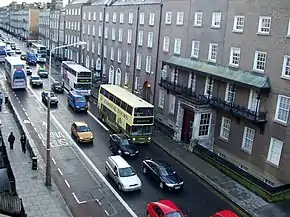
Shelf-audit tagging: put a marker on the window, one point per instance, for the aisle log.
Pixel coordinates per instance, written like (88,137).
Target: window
(120,35)
(140,38)
(171,108)
(195,49)
(239,22)
(79,26)
(225,128)
(112,53)
(99,49)
(89,32)
(151,19)
(212,52)
(139,61)
(106,32)
(121,18)
(204,124)
(282,109)
(254,102)
(208,89)
(260,61)
(94,30)
(119,57)
(129,38)
(84,16)
(126,79)
(89,16)
(286,67)
(230,95)
(264,25)
(248,139)
(107,17)
(150,40)
(93,47)
(141,18)
(216,20)
(100,31)
(166,44)
(128,57)
(177,46)
(101,16)
(113,34)
(198,18)
(114,17)
(168,17)
(105,51)
(148,64)
(161,99)
(288,31)
(95,16)
(235,56)
(131,18)
(191,81)
(274,152)
(88,46)
(179,18)
(137,83)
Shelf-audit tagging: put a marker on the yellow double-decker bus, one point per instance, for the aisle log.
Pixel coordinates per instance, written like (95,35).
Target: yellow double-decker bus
(126,113)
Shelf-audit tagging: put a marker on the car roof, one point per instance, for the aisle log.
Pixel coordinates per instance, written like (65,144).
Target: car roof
(159,163)
(34,76)
(120,136)
(80,123)
(121,162)
(167,206)
(75,93)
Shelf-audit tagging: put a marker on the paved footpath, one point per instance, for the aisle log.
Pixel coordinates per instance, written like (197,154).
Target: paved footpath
(38,200)
(233,191)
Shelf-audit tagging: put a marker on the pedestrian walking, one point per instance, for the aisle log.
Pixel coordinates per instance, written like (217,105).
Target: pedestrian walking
(11,140)
(23,142)
(1,100)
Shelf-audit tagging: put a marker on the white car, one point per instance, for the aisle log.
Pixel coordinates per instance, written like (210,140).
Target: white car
(17,50)
(35,80)
(43,73)
(122,174)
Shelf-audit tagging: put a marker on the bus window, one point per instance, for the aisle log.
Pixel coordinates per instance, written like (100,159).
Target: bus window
(110,96)
(124,106)
(114,99)
(118,101)
(79,86)
(142,130)
(128,128)
(143,112)
(129,109)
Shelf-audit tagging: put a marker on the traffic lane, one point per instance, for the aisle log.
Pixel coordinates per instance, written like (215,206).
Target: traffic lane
(87,188)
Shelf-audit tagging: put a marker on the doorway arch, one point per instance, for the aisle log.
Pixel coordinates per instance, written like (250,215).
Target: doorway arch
(146,91)
(111,75)
(118,77)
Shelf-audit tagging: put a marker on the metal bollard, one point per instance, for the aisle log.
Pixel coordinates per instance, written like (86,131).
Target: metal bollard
(34,163)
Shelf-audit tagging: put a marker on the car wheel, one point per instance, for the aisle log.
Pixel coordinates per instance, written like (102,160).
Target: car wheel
(161,185)
(144,170)
(120,187)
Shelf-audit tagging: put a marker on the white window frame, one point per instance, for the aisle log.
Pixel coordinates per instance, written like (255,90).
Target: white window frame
(235,56)
(225,128)
(148,64)
(286,67)
(212,55)
(94,30)
(172,101)
(274,156)
(107,17)
(120,35)
(239,23)
(121,18)
(195,46)
(256,62)
(198,18)
(166,43)
(161,99)
(168,18)
(288,30)
(179,18)
(206,125)
(93,47)
(284,109)
(106,32)
(99,49)
(142,18)
(89,15)
(119,56)
(248,132)
(113,34)
(128,57)
(131,18)
(140,38)
(151,19)
(177,46)
(89,29)
(262,28)
(126,79)
(207,86)
(191,82)
(101,16)
(150,40)
(137,84)
(216,20)
(105,51)
(230,95)
(114,18)
(139,61)
(112,53)
(129,36)
(95,16)
(254,103)
(84,16)
(100,31)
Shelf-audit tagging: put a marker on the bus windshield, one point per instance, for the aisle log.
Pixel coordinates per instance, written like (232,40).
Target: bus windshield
(143,112)
(142,130)
(79,86)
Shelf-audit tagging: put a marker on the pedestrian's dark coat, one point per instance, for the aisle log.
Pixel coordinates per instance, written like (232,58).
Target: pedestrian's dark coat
(11,138)
(23,139)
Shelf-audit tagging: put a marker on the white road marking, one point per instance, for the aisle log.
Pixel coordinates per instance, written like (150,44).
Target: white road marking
(99,122)
(60,171)
(53,160)
(39,136)
(67,184)
(25,113)
(106,212)
(77,200)
(99,202)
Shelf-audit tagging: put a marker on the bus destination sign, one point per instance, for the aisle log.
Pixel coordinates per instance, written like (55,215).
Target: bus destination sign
(88,80)
(143,120)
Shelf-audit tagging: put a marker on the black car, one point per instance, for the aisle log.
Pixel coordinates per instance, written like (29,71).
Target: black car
(119,144)
(53,98)
(162,173)
(57,87)
(23,56)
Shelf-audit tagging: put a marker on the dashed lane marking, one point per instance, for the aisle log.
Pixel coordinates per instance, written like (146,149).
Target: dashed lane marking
(25,113)
(77,200)
(53,160)
(99,202)
(60,172)
(67,184)
(106,212)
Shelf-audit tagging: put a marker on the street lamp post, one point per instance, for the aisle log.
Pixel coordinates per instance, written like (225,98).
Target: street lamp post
(48,166)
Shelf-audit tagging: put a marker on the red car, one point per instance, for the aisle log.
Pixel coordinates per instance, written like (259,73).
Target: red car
(164,208)
(225,213)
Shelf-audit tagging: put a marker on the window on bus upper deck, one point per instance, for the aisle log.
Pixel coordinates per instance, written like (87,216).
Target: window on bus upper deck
(143,112)
(85,74)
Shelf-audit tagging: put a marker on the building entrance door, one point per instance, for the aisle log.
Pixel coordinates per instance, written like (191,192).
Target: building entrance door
(186,132)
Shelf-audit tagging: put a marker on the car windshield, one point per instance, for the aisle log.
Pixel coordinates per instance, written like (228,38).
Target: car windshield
(166,170)
(83,129)
(58,84)
(126,172)
(42,70)
(80,99)
(35,78)
(174,214)
(124,142)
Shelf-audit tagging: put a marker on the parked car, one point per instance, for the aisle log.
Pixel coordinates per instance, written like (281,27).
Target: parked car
(163,208)
(122,174)
(225,213)
(10,52)
(53,98)
(57,87)
(28,70)
(163,173)
(23,56)
(17,50)
(35,80)
(43,73)
(82,132)
(119,144)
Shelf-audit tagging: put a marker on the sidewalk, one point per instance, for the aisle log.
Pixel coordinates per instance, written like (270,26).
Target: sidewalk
(241,197)
(38,200)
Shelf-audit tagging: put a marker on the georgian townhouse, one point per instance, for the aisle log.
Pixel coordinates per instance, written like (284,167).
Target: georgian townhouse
(44,24)
(55,26)
(224,81)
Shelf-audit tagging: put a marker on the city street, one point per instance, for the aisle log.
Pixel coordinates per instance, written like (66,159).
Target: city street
(82,166)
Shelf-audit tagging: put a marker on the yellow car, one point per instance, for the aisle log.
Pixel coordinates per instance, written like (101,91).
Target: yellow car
(82,132)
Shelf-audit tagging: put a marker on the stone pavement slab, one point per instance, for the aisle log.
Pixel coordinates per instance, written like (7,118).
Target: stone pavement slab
(246,200)
(38,200)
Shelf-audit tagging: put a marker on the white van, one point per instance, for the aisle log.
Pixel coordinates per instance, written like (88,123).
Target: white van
(122,174)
